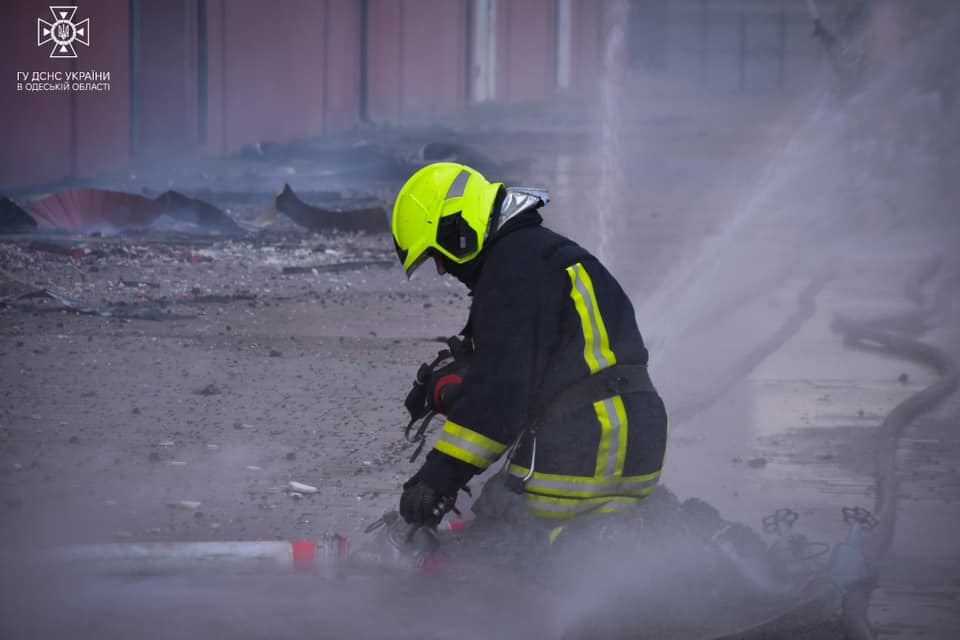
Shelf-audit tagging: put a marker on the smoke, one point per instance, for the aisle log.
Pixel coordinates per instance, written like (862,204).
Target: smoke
(840,182)
(859,185)
(861,174)
(260,605)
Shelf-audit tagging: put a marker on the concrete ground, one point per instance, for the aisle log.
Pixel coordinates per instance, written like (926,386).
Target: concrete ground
(191,428)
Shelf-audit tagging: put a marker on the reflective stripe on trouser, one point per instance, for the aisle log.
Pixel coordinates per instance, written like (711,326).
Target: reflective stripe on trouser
(596,342)
(613,437)
(559,496)
(464,444)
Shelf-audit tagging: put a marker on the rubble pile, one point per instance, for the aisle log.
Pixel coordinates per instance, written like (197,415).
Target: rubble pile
(151,276)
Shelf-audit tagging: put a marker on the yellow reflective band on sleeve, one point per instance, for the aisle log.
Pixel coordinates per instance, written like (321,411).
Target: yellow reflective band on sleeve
(596,343)
(469,446)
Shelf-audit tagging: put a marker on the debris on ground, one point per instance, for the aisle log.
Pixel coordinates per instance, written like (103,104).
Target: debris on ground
(367,219)
(197,212)
(209,390)
(187,505)
(300,487)
(340,267)
(121,310)
(97,210)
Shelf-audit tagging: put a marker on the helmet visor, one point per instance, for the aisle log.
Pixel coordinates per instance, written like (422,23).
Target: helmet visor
(403,253)
(426,255)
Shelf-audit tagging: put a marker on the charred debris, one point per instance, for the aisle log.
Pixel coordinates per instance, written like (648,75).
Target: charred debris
(222,219)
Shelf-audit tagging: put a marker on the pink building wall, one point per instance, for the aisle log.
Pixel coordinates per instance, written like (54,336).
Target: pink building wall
(274,71)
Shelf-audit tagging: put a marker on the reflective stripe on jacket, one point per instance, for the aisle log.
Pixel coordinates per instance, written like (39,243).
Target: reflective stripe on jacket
(545,315)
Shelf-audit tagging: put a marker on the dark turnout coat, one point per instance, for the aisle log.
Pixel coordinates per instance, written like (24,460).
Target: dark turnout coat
(545,315)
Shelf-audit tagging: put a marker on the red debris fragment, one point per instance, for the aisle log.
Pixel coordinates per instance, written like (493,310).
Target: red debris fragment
(189,257)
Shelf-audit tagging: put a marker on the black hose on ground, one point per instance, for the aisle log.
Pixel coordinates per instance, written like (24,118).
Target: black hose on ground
(859,336)
(866,335)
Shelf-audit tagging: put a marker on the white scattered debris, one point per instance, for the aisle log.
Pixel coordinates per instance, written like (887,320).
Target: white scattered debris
(300,487)
(176,463)
(367,463)
(213,447)
(110,503)
(253,467)
(189,505)
(165,443)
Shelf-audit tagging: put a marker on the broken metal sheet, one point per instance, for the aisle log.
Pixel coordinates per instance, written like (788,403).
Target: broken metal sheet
(368,219)
(191,210)
(91,209)
(13,219)
(85,210)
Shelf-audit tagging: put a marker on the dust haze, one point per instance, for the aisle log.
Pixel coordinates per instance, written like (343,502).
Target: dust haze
(740,223)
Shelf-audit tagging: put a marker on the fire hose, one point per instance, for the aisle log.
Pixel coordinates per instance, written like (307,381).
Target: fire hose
(867,336)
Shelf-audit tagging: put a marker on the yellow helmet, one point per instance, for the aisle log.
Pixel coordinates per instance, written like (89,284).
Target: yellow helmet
(444,208)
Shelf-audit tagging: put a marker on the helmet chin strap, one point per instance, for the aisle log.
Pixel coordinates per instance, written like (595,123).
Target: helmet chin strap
(467,273)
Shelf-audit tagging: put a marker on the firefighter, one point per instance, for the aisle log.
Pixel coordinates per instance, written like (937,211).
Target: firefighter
(550,370)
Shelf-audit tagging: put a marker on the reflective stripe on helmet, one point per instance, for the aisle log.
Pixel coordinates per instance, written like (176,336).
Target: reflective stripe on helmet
(469,446)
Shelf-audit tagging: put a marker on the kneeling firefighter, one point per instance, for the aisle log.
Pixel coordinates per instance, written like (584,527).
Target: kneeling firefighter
(550,370)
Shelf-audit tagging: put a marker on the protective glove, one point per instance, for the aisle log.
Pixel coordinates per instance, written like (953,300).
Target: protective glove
(421,505)
(438,384)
